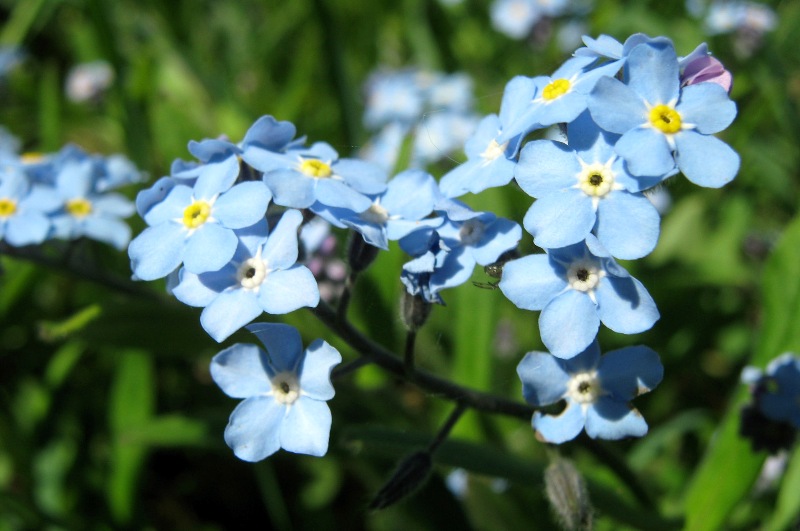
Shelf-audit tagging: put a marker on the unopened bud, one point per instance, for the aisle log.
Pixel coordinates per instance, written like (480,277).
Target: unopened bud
(360,254)
(567,494)
(414,311)
(412,472)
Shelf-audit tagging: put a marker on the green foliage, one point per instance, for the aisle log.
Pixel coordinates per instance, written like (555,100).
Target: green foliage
(108,416)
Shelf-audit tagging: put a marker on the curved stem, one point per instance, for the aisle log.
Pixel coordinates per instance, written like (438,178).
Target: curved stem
(408,358)
(437,386)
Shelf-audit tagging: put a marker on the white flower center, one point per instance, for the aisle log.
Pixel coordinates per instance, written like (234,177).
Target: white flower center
(251,273)
(471,231)
(584,387)
(584,275)
(285,387)
(596,179)
(375,214)
(494,150)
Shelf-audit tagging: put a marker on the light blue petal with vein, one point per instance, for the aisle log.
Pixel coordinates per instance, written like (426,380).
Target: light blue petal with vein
(113,205)
(243,205)
(157,251)
(171,207)
(285,291)
(707,106)
(209,248)
(25,228)
(610,419)
(653,72)
(269,134)
(630,371)
(284,346)
(560,218)
(240,371)
(531,282)
(290,188)
(568,324)
(362,176)
(280,251)
(254,428)
(625,306)
(107,229)
(315,378)
(307,427)
(562,428)
(336,193)
(228,312)
(627,225)
(646,151)
(545,166)
(215,179)
(544,380)
(199,290)
(411,195)
(615,107)
(706,160)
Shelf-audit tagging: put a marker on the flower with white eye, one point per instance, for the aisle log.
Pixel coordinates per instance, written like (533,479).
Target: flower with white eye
(284,391)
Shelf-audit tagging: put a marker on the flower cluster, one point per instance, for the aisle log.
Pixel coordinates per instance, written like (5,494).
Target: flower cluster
(65,195)
(633,114)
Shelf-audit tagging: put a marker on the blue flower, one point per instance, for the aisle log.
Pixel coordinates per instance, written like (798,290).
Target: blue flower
(284,391)
(663,125)
(576,288)
(85,211)
(408,199)
(194,225)
(302,176)
(559,98)
(263,276)
(516,18)
(417,274)
(596,390)
(584,187)
(777,389)
(24,208)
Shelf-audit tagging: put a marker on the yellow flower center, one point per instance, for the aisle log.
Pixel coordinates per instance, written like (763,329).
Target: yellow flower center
(79,207)
(665,119)
(556,89)
(315,168)
(32,157)
(7,207)
(196,214)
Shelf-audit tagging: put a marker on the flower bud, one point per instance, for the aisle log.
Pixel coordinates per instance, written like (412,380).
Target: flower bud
(414,311)
(567,494)
(360,254)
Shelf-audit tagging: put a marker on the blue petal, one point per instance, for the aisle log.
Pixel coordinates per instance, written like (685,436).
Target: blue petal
(109,230)
(307,427)
(706,160)
(26,228)
(627,225)
(284,346)
(270,134)
(240,371)
(280,251)
(362,176)
(287,290)
(75,179)
(530,282)
(568,324)
(215,179)
(653,73)
(254,429)
(517,95)
(290,188)
(229,312)
(544,380)
(630,372)
(499,237)
(562,428)
(315,378)
(646,151)
(335,193)
(706,106)
(411,195)
(209,248)
(200,290)
(625,306)
(616,107)
(113,205)
(561,218)
(243,205)
(157,251)
(456,269)
(171,207)
(610,419)
(545,166)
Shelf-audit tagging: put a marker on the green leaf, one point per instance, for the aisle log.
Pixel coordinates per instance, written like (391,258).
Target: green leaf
(169,431)
(788,507)
(730,467)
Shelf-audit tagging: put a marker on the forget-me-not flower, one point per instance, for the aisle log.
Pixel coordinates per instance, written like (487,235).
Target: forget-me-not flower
(776,390)
(263,276)
(597,391)
(285,390)
(583,187)
(24,208)
(663,124)
(576,288)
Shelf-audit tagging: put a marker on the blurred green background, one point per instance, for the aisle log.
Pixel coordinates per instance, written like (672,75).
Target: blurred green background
(108,416)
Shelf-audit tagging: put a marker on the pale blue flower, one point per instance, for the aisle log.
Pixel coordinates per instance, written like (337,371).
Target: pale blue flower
(285,391)
(597,391)
(576,288)
(776,390)
(24,208)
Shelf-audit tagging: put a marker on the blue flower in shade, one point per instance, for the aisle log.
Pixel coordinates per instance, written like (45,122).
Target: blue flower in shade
(24,208)
(86,212)
(584,187)
(417,274)
(576,288)
(777,389)
(559,98)
(597,391)
(284,391)
(516,18)
(302,176)
(263,276)
(408,199)
(663,124)
(194,225)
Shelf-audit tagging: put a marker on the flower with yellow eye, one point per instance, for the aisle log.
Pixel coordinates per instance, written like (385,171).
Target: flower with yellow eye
(664,125)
